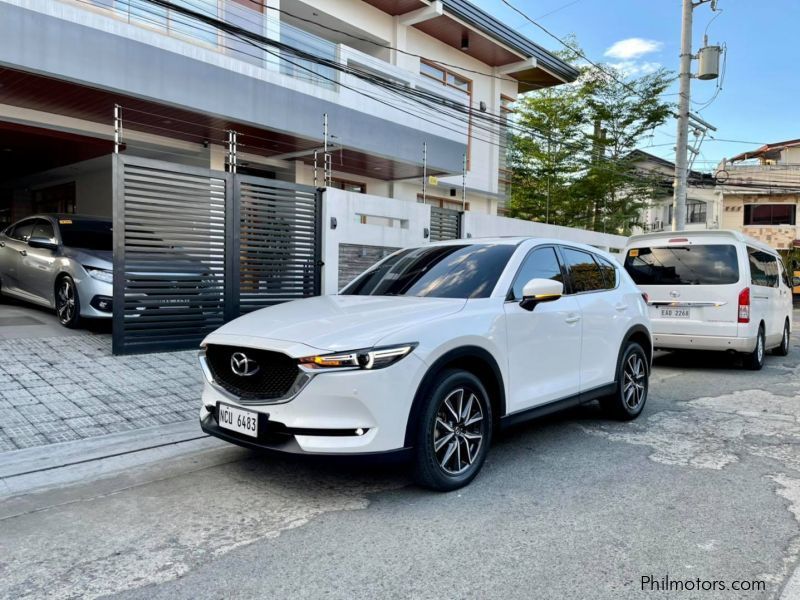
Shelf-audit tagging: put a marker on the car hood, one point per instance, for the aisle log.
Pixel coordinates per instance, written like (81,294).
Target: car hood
(99,259)
(335,323)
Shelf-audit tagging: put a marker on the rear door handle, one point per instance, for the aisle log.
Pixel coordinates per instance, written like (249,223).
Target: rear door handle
(23,252)
(621,307)
(572,319)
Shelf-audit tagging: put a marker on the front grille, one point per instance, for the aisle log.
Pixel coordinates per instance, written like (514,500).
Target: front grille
(275,376)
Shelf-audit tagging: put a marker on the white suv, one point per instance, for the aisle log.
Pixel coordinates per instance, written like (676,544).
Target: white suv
(429,352)
(714,290)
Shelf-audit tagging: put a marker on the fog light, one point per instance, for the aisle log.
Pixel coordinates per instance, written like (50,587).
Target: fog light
(359,431)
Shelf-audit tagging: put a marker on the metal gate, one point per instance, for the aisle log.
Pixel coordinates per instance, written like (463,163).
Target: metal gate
(194,248)
(445,224)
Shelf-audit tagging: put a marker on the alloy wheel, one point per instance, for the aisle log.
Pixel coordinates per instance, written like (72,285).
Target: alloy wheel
(66,301)
(633,388)
(458,431)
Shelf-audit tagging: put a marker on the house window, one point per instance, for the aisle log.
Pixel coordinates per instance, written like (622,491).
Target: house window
(770,214)
(695,212)
(348,186)
(452,80)
(504,173)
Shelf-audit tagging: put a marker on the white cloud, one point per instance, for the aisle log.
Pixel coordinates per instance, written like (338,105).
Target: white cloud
(632,68)
(633,48)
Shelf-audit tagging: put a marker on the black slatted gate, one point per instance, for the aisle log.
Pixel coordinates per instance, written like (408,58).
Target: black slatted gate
(194,248)
(445,224)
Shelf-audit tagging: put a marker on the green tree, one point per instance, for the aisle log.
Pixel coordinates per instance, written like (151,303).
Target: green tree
(570,147)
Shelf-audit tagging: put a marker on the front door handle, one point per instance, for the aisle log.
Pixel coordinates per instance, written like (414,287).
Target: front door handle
(2,244)
(23,252)
(572,319)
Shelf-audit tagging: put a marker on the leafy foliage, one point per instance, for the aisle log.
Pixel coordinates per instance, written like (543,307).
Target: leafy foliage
(569,151)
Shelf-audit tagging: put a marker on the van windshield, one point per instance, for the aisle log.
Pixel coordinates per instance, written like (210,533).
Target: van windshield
(715,264)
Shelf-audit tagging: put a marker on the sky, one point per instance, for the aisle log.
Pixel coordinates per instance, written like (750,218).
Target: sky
(760,98)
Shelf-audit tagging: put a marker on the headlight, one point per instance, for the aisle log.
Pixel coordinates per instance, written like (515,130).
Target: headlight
(371,358)
(100,274)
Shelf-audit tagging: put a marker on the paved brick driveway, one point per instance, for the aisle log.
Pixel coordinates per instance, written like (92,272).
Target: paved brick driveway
(68,388)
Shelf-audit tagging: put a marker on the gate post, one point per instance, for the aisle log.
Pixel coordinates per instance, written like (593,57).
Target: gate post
(233,233)
(118,260)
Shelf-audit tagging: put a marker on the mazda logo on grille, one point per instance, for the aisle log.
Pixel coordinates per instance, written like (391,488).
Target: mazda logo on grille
(243,366)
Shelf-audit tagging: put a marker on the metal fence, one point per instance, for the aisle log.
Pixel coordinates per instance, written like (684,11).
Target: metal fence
(194,248)
(445,224)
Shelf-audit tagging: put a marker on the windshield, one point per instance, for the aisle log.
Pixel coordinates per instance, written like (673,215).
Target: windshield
(683,265)
(91,235)
(467,271)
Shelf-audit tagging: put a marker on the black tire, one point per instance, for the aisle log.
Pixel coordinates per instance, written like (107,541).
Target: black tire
(755,360)
(783,349)
(633,384)
(68,304)
(445,469)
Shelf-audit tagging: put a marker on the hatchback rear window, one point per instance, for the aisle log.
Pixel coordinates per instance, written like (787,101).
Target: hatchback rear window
(714,264)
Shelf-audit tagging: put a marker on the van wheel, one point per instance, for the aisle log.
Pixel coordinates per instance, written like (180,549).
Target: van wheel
(783,349)
(454,433)
(627,402)
(755,360)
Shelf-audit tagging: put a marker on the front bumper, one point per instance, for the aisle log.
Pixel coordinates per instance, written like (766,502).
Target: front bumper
(324,416)
(700,342)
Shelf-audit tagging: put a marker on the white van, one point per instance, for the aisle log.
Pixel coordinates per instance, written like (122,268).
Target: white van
(713,290)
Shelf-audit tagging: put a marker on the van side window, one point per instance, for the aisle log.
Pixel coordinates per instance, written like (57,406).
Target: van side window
(785,275)
(763,268)
(583,271)
(541,263)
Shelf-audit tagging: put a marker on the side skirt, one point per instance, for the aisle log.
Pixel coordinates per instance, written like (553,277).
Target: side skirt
(557,405)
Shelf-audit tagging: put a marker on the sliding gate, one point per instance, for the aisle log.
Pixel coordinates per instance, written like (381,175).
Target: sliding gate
(195,248)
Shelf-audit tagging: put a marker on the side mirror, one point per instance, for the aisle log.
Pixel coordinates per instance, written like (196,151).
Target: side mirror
(540,290)
(795,281)
(42,242)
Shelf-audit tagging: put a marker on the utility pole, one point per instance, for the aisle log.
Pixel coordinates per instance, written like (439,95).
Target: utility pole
(709,70)
(681,158)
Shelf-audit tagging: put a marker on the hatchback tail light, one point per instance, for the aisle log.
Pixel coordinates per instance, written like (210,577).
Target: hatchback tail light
(744,305)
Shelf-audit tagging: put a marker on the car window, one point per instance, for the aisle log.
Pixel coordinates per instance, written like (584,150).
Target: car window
(763,268)
(708,264)
(584,273)
(86,233)
(43,229)
(541,263)
(784,275)
(609,272)
(22,231)
(452,271)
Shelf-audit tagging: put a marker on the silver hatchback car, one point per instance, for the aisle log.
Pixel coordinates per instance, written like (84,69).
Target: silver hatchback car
(63,262)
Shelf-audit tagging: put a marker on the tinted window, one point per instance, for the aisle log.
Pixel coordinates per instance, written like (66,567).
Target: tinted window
(22,231)
(769,214)
(437,271)
(43,229)
(609,272)
(715,264)
(763,268)
(82,233)
(542,263)
(583,271)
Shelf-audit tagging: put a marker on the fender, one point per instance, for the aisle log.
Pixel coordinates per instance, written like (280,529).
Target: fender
(455,355)
(637,329)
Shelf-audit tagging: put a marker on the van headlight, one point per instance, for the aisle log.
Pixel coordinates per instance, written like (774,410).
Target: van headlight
(100,274)
(371,358)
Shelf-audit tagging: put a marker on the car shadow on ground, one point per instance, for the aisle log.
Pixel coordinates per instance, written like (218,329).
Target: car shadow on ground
(697,359)
(47,316)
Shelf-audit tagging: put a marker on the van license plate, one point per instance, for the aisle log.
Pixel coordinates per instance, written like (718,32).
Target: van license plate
(676,313)
(236,419)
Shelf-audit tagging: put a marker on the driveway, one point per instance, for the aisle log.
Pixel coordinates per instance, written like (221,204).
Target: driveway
(59,385)
(703,489)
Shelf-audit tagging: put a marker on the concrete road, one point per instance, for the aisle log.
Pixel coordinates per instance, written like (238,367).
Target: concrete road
(704,489)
